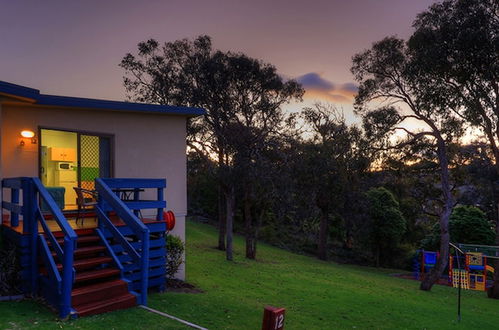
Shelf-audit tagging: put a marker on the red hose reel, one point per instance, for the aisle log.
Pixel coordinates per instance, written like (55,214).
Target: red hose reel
(169,217)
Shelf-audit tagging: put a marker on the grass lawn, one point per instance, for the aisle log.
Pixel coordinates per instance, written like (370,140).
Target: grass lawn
(316,295)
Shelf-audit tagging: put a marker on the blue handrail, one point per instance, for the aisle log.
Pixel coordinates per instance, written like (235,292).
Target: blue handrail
(108,197)
(65,254)
(54,209)
(33,190)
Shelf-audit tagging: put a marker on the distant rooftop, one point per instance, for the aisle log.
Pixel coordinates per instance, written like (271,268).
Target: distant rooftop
(36,97)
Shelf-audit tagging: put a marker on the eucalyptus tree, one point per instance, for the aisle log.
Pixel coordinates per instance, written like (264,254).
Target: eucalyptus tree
(256,96)
(186,73)
(455,48)
(243,98)
(387,81)
(336,159)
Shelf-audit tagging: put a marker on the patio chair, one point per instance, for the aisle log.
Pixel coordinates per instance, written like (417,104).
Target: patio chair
(86,200)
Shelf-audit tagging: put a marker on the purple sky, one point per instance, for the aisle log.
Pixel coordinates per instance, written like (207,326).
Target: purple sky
(74,47)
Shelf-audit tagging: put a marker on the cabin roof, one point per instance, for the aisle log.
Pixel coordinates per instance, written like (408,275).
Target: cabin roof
(34,96)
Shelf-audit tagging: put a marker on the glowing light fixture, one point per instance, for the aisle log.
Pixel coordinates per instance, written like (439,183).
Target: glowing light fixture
(27,134)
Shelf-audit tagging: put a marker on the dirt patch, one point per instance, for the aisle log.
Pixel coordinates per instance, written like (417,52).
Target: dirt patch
(178,286)
(409,276)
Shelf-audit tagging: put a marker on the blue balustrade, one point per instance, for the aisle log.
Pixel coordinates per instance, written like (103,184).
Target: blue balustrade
(33,192)
(133,260)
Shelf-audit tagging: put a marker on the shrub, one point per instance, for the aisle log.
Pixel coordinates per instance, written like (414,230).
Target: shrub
(467,225)
(9,270)
(174,252)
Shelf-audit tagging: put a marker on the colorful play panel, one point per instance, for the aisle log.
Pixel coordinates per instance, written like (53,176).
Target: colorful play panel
(468,270)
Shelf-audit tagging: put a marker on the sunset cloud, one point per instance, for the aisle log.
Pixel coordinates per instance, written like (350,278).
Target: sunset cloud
(318,87)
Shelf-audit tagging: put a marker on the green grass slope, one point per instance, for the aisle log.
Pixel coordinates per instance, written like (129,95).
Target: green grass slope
(316,295)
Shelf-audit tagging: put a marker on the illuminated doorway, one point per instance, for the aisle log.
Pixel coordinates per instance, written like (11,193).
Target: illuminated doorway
(71,159)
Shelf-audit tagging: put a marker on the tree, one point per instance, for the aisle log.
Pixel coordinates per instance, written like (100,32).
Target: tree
(385,73)
(185,73)
(335,160)
(456,48)
(257,95)
(387,224)
(242,97)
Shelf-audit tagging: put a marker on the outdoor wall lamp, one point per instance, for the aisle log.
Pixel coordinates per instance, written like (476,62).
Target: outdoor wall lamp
(27,134)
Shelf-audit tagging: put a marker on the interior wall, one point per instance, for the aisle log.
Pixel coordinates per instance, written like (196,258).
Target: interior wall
(59,139)
(145,146)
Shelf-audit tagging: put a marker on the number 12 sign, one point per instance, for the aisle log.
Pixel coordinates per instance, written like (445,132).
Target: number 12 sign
(273,318)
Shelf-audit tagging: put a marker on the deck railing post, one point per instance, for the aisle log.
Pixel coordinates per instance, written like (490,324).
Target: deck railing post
(160,196)
(136,197)
(30,223)
(67,277)
(14,199)
(144,267)
(100,204)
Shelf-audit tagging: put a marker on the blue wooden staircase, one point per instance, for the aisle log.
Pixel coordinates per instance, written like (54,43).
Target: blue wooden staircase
(89,271)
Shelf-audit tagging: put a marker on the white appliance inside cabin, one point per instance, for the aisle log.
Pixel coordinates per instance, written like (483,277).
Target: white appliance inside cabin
(58,173)
(65,176)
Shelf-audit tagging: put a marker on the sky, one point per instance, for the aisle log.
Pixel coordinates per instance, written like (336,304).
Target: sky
(73,48)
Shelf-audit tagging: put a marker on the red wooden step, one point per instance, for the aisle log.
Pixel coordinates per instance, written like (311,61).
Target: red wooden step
(96,274)
(87,263)
(80,240)
(79,232)
(86,251)
(98,292)
(89,250)
(88,239)
(82,264)
(123,301)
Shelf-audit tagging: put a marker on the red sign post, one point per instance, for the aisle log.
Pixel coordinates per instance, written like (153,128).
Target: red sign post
(273,318)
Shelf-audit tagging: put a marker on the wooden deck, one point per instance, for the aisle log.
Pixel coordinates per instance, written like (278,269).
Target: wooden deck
(88,223)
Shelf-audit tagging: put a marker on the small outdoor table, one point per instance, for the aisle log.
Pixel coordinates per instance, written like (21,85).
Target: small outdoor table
(128,194)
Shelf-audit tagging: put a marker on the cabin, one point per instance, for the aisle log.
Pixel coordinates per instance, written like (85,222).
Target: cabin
(85,186)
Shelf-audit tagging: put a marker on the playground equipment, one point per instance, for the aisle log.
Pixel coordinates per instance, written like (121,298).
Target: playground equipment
(470,268)
(460,275)
(474,274)
(424,262)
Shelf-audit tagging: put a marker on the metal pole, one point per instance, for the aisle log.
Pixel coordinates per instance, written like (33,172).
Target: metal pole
(459,281)
(458,290)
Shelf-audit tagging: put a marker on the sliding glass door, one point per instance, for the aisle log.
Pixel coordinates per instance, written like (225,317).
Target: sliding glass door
(71,159)
(94,158)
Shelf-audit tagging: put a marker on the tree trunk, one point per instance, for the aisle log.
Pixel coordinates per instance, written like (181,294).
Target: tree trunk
(443,259)
(221,206)
(249,230)
(323,233)
(492,134)
(221,219)
(493,292)
(230,203)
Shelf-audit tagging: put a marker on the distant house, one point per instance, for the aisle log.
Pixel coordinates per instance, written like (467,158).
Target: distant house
(51,144)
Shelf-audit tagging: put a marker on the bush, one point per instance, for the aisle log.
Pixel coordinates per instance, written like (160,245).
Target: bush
(467,225)
(9,270)
(174,252)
